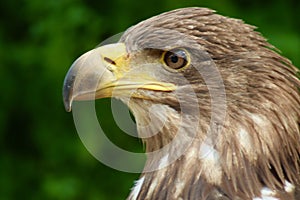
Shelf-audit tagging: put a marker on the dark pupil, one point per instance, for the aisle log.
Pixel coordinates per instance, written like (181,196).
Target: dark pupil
(174,58)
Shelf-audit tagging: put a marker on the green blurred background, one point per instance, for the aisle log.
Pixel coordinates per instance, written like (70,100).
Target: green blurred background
(42,156)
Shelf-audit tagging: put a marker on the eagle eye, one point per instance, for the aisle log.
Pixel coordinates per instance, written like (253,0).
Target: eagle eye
(175,58)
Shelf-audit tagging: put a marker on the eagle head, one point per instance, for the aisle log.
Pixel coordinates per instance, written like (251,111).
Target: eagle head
(216,105)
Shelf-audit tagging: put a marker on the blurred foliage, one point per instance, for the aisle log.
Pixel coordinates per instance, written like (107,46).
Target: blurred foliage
(42,157)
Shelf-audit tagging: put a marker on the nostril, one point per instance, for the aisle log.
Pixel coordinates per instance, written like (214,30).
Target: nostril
(110,61)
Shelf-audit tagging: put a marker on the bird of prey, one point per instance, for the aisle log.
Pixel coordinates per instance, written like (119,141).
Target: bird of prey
(214,94)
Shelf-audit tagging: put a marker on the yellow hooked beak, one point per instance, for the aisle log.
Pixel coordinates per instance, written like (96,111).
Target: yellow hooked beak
(105,72)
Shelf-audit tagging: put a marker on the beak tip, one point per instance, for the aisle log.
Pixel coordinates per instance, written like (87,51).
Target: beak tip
(68,104)
(68,89)
(67,98)
(68,108)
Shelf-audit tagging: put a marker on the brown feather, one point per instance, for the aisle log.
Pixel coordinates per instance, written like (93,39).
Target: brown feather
(259,145)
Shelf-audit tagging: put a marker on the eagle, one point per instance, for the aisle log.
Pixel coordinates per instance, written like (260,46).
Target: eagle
(216,105)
